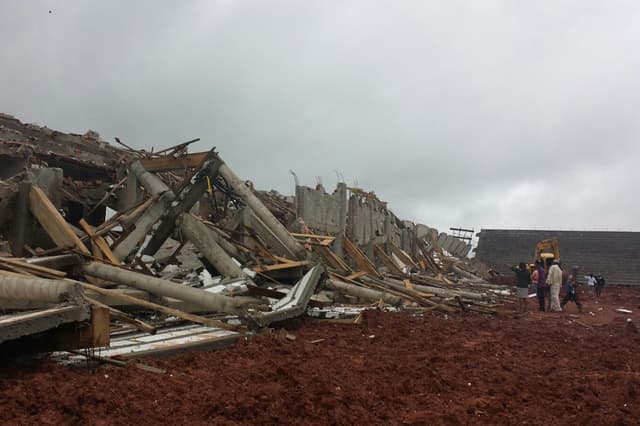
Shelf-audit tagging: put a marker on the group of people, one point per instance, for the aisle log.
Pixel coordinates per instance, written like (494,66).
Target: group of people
(595,284)
(547,285)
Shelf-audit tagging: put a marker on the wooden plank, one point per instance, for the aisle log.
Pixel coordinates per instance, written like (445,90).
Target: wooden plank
(97,254)
(154,306)
(388,262)
(356,275)
(275,294)
(15,270)
(33,269)
(117,314)
(318,237)
(332,259)
(99,242)
(187,161)
(320,240)
(100,330)
(361,259)
(280,266)
(408,284)
(52,221)
(283,259)
(15,274)
(404,257)
(326,242)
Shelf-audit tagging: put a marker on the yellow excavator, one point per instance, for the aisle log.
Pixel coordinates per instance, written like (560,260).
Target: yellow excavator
(547,251)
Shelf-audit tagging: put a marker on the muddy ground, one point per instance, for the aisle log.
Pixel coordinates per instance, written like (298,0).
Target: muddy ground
(393,368)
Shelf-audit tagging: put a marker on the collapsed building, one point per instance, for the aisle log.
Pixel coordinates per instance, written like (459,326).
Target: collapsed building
(140,252)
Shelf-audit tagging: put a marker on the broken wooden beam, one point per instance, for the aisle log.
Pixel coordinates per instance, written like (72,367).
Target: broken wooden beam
(165,164)
(99,242)
(53,222)
(281,266)
(360,258)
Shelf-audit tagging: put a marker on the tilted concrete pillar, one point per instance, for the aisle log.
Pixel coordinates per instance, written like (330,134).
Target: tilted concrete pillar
(150,181)
(201,236)
(361,292)
(155,186)
(38,289)
(261,211)
(342,218)
(207,300)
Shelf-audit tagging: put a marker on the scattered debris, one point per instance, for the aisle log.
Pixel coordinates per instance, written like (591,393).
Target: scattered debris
(192,256)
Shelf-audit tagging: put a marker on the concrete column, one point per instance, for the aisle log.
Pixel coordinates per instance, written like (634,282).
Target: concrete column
(155,186)
(361,292)
(152,183)
(130,195)
(207,300)
(250,220)
(231,249)
(342,218)
(202,237)
(262,212)
(50,181)
(439,291)
(143,226)
(388,229)
(23,224)
(37,290)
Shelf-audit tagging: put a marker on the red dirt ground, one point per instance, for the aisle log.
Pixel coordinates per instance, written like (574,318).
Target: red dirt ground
(393,368)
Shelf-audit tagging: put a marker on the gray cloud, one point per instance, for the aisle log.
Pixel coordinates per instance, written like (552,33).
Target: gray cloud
(495,113)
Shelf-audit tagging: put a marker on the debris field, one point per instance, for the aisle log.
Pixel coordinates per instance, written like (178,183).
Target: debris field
(142,285)
(391,368)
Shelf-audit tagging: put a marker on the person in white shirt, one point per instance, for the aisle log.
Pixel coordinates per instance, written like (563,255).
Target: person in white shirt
(591,282)
(554,279)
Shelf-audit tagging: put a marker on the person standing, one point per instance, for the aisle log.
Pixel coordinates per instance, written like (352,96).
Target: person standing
(534,279)
(599,285)
(554,279)
(523,279)
(539,276)
(571,287)
(591,283)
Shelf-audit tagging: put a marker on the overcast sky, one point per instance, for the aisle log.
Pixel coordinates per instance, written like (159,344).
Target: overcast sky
(483,114)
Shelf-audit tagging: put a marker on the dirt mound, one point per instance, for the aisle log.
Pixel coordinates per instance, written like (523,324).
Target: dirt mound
(392,368)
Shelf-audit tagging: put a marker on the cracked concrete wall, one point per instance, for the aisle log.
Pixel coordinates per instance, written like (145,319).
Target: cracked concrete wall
(320,210)
(453,245)
(366,221)
(324,213)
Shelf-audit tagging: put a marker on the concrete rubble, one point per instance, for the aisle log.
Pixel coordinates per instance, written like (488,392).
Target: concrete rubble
(101,241)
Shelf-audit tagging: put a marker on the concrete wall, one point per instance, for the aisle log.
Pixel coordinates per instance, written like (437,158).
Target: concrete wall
(453,245)
(366,221)
(322,211)
(615,255)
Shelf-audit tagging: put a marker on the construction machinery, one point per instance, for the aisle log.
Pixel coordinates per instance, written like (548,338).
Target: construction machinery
(547,251)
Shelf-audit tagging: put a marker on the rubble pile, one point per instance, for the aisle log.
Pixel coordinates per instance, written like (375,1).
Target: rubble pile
(138,252)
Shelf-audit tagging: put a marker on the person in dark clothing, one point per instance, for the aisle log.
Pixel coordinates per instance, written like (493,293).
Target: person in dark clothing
(523,279)
(540,275)
(572,291)
(599,285)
